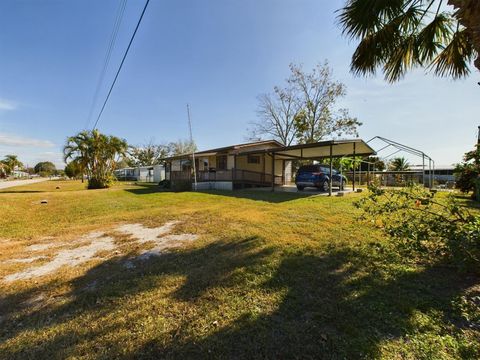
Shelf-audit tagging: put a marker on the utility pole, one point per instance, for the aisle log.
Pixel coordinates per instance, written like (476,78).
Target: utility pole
(193,150)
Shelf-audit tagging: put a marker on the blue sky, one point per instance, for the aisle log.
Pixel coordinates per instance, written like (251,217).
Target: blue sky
(216,55)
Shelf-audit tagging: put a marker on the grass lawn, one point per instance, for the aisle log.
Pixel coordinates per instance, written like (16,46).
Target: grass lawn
(277,276)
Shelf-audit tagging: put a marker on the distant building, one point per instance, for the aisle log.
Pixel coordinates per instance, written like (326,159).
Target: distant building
(154,173)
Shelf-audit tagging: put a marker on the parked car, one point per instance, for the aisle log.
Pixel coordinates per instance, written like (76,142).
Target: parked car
(319,176)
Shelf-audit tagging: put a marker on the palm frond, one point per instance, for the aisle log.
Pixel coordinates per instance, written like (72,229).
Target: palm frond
(430,39)
(402,59)
(454,59)
(360,18)
(378,48)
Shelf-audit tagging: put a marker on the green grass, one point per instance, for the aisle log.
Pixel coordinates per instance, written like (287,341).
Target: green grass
(272,276)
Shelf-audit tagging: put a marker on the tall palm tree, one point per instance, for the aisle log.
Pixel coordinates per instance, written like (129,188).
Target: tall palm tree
(399,164)
(11,162)
(398,35)
(97,154)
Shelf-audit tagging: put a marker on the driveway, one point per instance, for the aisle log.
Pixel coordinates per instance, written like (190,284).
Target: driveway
(9,184)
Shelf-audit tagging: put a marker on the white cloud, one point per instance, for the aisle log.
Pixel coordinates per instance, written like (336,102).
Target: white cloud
(7,104)
(14,140)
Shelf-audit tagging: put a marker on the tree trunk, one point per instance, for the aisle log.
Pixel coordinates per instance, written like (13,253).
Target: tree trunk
(468,14)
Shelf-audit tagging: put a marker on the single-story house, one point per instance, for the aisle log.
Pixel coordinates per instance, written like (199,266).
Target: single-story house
(260,163)
(228,168)
(154,173)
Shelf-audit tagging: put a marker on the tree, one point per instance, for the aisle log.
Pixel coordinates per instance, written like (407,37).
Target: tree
(373,163)
(317,94)
(146,155)
(467,172)
(276,112)
(12,163)
(181,147)
(4,170)
(347,163)
(399,35)
(97,154)
(46,168)
(73,170)
(399,164)
(304,110)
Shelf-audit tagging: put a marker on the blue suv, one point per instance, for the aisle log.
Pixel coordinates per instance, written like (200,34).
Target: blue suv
(318,176)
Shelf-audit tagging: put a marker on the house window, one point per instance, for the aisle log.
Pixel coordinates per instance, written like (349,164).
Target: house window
(253,159)
(222,162)
(185,165)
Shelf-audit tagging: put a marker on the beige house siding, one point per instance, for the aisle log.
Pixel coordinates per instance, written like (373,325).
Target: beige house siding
(242,164)
(176,165)
(230,162)
(278,166)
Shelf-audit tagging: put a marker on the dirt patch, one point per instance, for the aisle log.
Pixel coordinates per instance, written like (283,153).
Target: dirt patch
(95,244)
(167,242)
(40,247)
(69,257)
(144,234)
(27,260)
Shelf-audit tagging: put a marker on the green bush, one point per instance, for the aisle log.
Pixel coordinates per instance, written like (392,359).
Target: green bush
(165,184)
(100,183)
(422,226)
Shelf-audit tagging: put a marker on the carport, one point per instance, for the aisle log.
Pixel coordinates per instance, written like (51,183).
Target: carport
(320,151)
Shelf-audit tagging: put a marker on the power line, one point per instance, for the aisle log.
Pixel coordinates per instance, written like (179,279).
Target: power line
(106,61)
(121,64)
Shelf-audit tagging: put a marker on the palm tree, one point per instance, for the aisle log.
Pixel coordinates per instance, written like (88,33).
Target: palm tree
(399,164)
(11,163)
(97,154)
(399,35)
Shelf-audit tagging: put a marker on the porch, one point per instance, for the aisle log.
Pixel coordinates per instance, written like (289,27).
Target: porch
(238,178)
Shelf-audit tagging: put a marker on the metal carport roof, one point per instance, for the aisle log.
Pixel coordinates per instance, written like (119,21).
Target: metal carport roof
(318,150)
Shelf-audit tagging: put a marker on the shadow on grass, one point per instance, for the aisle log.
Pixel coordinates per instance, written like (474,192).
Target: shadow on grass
(332,306)
(250,194)
(146,188)
(20,191)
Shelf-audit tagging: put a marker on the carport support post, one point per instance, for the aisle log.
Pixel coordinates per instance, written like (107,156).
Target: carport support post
(331,172)
(273,171)
(430,182)
(423,169)
(354,152)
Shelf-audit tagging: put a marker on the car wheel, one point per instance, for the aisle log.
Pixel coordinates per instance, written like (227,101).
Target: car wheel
(300,188)
(325,186)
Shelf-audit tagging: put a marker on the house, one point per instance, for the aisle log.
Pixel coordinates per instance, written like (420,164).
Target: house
(153,173)
(231,167)
(260,163)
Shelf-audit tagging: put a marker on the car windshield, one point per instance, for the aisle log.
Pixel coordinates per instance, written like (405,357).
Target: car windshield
(309,168)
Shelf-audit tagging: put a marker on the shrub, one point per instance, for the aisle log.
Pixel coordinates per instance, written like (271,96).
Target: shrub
(467,173)
(422,226)
(164,184)
(100,183)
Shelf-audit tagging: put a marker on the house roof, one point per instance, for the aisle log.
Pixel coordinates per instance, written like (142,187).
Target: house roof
(235,148)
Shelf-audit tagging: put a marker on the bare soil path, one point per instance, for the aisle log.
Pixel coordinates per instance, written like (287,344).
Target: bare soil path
(13,183)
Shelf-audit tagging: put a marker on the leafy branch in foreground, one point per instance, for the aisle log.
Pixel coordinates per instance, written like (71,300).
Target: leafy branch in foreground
(423,226)
(399,35)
